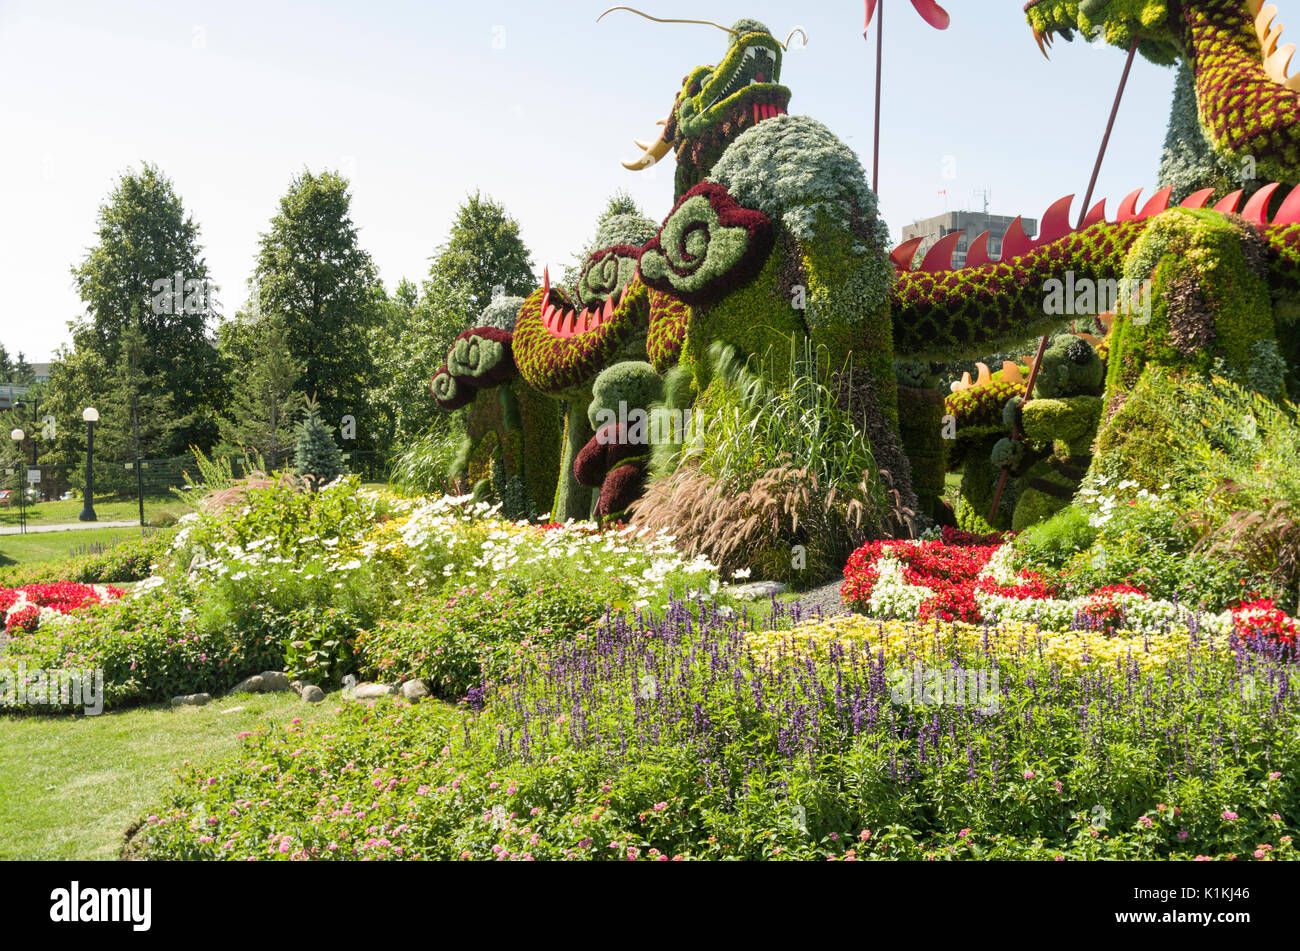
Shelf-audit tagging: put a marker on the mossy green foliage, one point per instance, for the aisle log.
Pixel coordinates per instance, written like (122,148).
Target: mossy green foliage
(797,172)
(978,483)
(920,414)
(845,312)
(1116,22)
(1040,494)
(1070,365)
(517,428)
(540,425)
(632,384)
(756,319)
(572,499)
(1210,303)
(1070,422)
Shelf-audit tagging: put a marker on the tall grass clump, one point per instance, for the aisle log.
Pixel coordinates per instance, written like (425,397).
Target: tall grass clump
(772,476)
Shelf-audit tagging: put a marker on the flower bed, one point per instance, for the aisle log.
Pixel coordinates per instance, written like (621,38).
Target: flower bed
(972,579)
(672,738)
(26,608)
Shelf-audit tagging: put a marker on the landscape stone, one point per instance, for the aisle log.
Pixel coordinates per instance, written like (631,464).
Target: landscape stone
(415,690)
(192,700)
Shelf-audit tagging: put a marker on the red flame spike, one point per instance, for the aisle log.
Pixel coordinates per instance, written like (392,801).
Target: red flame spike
(902,255)
(1158,204)
(1056,221)
(1289,213)
(978,255)
(581,327)
(608,313)
(566,325)
(1015,242)
(1256,210)
(939,257)
(1229,204)
(1095,216)
(1197,199)
(1128,207)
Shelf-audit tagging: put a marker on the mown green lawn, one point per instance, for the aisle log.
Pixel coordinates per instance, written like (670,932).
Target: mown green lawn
(58,546)
(106,509)
(70,787)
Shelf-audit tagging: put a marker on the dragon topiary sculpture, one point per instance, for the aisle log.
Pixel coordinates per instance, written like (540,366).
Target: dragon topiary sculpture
(774,232)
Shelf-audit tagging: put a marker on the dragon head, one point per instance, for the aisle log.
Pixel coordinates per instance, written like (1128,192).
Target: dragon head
(1153,22)
(717,103)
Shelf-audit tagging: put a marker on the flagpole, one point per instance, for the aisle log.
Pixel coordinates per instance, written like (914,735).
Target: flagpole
(880,53)
(1110,127)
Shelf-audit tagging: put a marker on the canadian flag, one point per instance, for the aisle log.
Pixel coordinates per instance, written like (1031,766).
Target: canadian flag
(930,11)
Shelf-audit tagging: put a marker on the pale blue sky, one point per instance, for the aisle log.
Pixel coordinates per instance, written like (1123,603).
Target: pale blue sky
(420,103)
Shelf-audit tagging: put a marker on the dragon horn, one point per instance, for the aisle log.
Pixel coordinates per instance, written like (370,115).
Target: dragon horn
(652,154)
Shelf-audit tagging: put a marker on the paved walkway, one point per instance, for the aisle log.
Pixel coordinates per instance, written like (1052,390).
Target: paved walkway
(67,527)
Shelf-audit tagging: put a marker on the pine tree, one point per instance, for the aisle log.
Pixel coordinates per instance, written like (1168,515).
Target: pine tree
(6,365)
(23,374)
(263,401)
(317,457)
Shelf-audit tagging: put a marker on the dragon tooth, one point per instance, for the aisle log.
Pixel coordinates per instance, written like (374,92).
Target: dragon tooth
(608,312)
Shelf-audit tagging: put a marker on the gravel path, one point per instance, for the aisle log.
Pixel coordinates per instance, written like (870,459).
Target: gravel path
(827,598)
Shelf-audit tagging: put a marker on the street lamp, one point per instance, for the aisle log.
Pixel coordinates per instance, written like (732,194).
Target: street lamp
(91,416)
(17,436)
(36,408)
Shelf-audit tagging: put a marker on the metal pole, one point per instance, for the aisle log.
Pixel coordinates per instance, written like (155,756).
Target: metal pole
(139,486)
(1110,126)
(88,509)
(880,55)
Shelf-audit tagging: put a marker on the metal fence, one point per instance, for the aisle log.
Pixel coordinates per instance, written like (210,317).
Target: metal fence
(157,480)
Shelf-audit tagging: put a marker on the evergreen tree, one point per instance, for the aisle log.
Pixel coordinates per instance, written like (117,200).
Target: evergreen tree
(484,252)
(1188,162)
(313,276)
(317,456)
(147,243)
(23,374)
(6,365)
(263,401)
(136,418)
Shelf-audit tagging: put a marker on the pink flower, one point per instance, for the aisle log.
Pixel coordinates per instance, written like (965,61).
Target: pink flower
(1029,774)
(1059,858)
(1229,815)
(1145,821)
(660,806)
(963,833)
(1274,775)
(422,791)
(864,834)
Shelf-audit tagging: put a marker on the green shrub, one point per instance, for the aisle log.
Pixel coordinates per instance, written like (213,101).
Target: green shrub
(150,649)
(1051,544)
(460,637)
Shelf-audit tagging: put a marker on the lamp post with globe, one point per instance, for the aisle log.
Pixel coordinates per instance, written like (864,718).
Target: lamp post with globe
(91,416)
(17,436)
